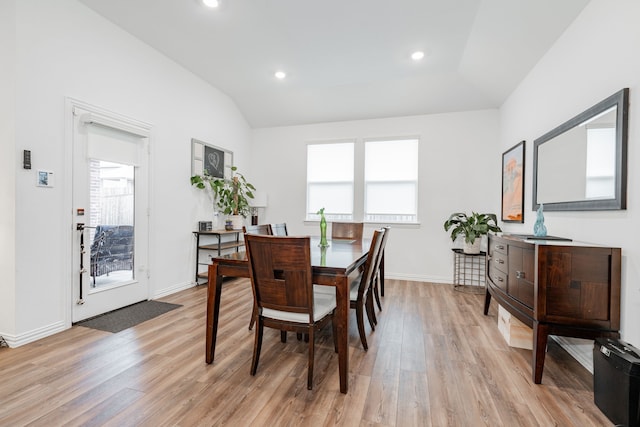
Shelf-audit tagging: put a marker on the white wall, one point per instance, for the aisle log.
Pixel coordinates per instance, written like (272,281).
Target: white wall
(66,50)
(458,172)
(7,165)
(596,57)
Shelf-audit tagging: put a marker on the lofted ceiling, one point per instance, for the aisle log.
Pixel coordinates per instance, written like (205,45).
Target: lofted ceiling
(350,59)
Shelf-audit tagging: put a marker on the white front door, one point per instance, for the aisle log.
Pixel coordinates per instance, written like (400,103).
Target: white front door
(110,214)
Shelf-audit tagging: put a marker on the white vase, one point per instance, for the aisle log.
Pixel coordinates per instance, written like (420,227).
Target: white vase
(215,223)
(472,248)
(237,221)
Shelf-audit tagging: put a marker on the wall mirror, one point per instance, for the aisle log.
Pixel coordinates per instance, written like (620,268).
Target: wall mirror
(582,164)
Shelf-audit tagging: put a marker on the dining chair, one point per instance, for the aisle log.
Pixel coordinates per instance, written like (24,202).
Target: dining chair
(347,230)
(263,229)
(377,281)
(361,288)
(281,279)
(279,229)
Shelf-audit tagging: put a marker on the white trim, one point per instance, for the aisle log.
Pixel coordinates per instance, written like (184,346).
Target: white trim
(126,125)
(578,349)
(34,335)
(173,289)
(418,278)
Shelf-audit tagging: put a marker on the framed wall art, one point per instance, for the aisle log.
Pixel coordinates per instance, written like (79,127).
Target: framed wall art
(215,161)
(513,183)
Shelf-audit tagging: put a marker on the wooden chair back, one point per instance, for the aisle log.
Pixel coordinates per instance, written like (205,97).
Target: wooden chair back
(279,229)
(347,230)
(280,271)
(378,270)
(370,266)
(383,244)
(263,229)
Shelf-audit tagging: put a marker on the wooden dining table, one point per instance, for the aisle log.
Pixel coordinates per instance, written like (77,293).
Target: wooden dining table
(330,266)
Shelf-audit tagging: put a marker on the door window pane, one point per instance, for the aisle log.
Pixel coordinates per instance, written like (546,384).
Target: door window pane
(111,213)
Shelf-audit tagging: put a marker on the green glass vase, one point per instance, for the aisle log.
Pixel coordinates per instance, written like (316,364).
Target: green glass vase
(323,229)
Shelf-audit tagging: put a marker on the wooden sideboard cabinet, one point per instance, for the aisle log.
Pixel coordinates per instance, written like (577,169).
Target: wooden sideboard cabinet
(556,287)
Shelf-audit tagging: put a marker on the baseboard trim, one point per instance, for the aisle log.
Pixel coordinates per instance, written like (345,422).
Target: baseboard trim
(34,335)
(417,278)
(172,290)
(579,349)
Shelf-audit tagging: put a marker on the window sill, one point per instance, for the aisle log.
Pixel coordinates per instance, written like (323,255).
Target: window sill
(374,223)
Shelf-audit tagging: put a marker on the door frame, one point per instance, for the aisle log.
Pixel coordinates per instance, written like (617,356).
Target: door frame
(116,121)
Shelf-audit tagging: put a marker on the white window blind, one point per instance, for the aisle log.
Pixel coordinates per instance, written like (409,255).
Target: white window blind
(391,180)
(330,174)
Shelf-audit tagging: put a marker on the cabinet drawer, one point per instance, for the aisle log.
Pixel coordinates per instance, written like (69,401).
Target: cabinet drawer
(499,278)
(497,246)
(499,261)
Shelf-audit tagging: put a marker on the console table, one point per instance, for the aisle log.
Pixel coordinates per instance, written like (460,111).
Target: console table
(217,244)
(555,287)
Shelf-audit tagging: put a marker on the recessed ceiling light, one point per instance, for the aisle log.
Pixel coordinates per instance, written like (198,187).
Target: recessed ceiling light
(211,3)
(417,56)
(280,75)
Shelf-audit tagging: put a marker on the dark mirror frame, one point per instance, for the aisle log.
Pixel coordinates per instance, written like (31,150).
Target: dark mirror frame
(621,101)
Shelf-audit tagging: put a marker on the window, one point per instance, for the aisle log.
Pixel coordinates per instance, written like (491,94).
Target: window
(370,180)
(391,180)
(330,171)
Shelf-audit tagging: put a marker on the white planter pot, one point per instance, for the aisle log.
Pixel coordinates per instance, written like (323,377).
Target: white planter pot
(237,221)
(472,248)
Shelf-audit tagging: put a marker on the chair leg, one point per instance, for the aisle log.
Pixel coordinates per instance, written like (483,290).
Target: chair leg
(311,357)
(360,319)
(377,293)
(283,336)
(257,346)
(254,310)
(371,314)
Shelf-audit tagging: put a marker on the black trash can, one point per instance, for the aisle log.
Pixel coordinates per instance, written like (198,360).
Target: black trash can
(616,381)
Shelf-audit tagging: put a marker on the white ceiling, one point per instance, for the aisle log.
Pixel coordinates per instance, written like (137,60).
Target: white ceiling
(349,59)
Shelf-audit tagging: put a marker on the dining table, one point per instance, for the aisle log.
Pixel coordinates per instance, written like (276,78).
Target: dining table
(331,266)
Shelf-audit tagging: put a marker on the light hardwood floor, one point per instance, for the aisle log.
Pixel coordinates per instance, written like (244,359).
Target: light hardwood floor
(434,360)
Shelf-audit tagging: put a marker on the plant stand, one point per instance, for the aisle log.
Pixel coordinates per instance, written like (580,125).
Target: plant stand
(468,272)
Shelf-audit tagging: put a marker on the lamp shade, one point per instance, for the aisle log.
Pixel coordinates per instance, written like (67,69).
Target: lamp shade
(259,200)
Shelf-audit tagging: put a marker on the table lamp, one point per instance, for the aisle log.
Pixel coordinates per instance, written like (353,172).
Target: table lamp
(259,201)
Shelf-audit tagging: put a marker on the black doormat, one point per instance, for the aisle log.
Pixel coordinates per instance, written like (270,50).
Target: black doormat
(127,317)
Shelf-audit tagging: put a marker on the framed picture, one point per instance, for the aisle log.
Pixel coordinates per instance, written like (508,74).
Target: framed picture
(513,183)
(215,161)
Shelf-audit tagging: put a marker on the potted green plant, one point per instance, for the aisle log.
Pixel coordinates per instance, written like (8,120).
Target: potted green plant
(472,227)
(231,195)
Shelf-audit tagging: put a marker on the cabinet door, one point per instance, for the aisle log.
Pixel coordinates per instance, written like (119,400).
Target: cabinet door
(521,274)
(580,283)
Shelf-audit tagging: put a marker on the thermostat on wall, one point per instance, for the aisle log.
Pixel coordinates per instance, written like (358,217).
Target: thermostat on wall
(45,179)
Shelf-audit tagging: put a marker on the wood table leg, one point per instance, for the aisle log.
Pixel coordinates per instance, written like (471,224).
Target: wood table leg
(213,310)
(342,318)
(540,337)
